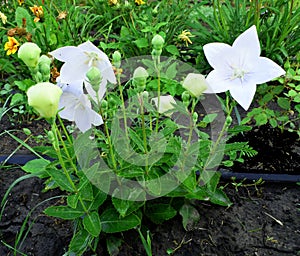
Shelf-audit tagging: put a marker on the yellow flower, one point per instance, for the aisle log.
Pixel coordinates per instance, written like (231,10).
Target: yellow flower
(38,12)
(21,2)
(139,2)
(112,2)
(11,46)
(185,36)
(3,17)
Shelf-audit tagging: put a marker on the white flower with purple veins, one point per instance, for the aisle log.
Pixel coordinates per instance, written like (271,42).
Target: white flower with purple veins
(77,107)
(78,60)
(239,68)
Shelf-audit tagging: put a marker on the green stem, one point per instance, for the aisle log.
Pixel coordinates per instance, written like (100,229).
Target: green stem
(157,68)
(144,135)
(222,132)
(56,147)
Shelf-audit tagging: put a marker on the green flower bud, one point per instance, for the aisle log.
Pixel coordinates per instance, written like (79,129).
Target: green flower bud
(185,96)
(44,67)
(30,54)
(117,59)
(195,117)
(139,78)
(104,105)
(94,77)
(158,42)
(44,98)
(145,96)
(195,84)
(228,120)
(50,136)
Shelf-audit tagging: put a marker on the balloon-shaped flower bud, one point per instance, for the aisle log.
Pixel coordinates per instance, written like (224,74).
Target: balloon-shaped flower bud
(117,59)
(165,104)
(139,78)
(195,84)
(44,67)
(94,77)
(158,42)
(44,98)
(29,53)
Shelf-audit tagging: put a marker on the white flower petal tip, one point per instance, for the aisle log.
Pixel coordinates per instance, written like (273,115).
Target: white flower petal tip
(239,68)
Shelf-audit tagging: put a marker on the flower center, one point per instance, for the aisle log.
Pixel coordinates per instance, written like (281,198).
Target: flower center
(93,58)
(238,73)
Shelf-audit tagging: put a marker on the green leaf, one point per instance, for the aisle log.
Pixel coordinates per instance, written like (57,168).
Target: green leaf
(60,179)
(158,213)
(113,244)
(209,118)
(79,242)
(111,222)
(37,166)
(17,98)
(172,49)
(220,198)
(171,71)
(72,200)
(85,189)
(141,42)
(125,207)
(21,14)
(64,212)
(261,119)
(99,199)
(92,224)
(190,216)
(284,103)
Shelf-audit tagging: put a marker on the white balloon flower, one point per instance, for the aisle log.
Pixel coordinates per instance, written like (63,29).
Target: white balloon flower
(78,60)
(239,68)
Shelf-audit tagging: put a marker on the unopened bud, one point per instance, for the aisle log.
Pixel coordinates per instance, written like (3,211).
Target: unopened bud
(117,59)
(29,53)
(44,98)
(195,117)
(195,84)
(94,77)
(139,78)
(158,42)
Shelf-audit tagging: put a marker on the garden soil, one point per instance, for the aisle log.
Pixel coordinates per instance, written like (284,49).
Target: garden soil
(263,220)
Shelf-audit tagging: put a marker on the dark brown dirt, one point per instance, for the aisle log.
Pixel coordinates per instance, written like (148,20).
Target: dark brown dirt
(261,221)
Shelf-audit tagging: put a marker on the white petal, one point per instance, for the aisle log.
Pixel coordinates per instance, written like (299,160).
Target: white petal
(67,53)
(109,74)
(266,70)
(68,102)
(243,94)
(96,118)
(218,81)
(216,54)
(89,47)
(82,119)
(91,92)
(247,43)
(102,89)
(71,72)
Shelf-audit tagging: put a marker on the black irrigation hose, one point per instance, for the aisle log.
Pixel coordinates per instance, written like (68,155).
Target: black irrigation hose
(226,174)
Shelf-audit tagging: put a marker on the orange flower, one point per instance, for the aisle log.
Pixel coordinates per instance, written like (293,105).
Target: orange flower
(38,12)
(11,46)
